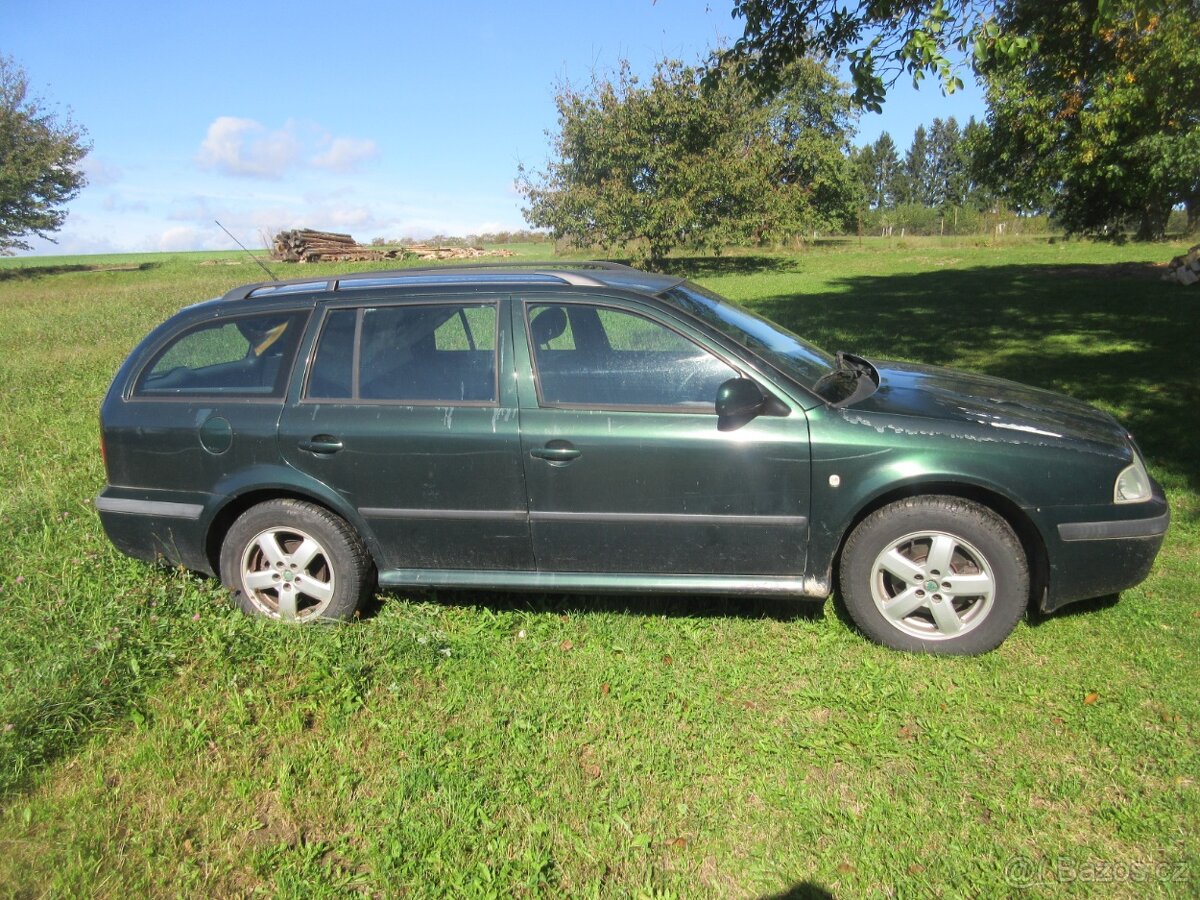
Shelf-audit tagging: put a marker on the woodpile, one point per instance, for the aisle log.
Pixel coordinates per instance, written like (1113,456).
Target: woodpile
(1184,269)
(307,246)
(420,251)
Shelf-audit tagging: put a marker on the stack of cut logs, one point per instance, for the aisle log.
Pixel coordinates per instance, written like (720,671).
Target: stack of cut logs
(325,246)
(304,245)
(420,251)
(1184,269)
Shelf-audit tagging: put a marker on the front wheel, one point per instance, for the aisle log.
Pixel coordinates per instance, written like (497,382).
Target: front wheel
(292,560)
(935,575)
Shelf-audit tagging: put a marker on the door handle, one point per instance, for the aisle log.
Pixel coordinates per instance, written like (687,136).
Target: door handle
(321,444)
(556,452)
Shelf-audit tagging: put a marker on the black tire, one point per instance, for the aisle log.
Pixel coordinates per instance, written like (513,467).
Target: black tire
(967,602)
(288,559)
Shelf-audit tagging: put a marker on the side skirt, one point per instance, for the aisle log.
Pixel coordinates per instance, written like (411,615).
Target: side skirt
(603,582)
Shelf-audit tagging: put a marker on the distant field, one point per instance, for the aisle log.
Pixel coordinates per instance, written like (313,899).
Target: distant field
(153,740)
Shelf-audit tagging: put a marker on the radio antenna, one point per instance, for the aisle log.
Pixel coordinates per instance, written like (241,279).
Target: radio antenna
(251,255)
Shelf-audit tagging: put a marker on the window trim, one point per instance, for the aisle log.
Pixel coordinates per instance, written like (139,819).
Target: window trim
(529,302)
(135,394)
(356,356)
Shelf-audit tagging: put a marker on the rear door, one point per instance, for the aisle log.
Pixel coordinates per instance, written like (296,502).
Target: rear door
(408,410)
(626,467)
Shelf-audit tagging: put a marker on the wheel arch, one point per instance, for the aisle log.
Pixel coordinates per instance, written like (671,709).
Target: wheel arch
(1022,525)
(238,503)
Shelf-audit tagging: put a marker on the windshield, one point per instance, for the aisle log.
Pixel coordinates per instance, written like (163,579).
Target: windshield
(787,352)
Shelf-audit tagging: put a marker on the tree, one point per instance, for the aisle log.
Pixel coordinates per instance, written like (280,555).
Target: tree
(676,163)
(1093,103)
(979,177)
(879,39)
(947,165)
(1102,126)
(39,157)
(877,167)
(914,171)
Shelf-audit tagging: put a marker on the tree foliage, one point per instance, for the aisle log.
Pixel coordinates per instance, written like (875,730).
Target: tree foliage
(677,162)
(947,174)
(39,157)
(1102,126)
(877,167)
(937,171)
(879,39)
(914,180)
(882,39)
(1093,104)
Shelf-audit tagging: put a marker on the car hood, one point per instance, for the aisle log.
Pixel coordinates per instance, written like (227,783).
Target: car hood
(1017,410)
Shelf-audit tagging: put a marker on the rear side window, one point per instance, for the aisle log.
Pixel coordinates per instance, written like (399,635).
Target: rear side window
(247,356)
(442,354)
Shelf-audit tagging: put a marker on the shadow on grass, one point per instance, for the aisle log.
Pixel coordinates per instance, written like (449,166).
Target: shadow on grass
(1036,617)
(1113,336)
(715,266)
(804,890)
(669,605)
(29,273)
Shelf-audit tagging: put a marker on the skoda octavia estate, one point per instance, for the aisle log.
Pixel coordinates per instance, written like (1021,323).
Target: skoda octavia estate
(596,428)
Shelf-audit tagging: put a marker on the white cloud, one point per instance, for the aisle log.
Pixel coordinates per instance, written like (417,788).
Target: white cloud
(345,154)
(422,227)
(117,203)
(246,147)
(75,244)
(100,172)
(180,237)
(350,217)
(193,209)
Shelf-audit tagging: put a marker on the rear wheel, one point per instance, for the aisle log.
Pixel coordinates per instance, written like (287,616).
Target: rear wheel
(292,560)
(935,575)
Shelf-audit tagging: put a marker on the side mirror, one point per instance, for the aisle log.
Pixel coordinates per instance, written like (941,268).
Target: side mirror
(740,398)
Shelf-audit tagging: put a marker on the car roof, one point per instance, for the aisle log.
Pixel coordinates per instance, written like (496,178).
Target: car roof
(573,274)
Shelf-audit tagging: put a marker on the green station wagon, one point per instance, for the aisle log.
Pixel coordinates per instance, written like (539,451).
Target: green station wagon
(594,428)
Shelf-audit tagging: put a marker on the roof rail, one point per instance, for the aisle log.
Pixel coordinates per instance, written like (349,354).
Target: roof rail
(444,274)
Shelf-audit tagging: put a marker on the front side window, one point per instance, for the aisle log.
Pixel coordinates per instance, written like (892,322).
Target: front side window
(417,354)
(595,356)
(248,356)
(786,351)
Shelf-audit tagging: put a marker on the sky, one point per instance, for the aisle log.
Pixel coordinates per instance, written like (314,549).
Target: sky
(385,120)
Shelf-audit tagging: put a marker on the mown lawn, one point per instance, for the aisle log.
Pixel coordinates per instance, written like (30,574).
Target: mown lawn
(154,740)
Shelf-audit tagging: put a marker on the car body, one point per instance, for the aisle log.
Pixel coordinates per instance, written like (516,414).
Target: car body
(589,427)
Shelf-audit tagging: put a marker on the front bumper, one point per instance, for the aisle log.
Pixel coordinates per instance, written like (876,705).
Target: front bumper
(1095,556)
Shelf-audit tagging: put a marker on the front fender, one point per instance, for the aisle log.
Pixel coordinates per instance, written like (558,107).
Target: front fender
(855,467)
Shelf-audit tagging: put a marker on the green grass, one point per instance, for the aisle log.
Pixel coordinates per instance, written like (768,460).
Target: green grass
(489,745)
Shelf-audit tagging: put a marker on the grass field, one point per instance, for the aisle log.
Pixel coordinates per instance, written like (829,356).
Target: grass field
(153,740)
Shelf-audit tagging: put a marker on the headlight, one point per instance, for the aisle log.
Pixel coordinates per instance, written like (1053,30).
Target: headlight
(1133,484)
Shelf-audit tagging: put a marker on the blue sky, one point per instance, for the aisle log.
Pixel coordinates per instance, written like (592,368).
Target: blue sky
(393,120)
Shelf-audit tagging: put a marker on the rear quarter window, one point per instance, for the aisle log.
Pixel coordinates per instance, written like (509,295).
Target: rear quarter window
(247,356)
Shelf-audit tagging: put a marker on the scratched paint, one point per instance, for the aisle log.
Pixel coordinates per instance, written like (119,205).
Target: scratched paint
(502,412)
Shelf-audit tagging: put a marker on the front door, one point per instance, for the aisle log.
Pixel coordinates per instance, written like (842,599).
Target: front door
(626,468)
(409,410)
